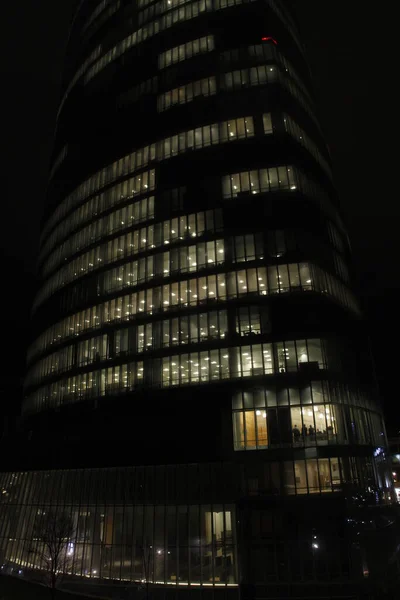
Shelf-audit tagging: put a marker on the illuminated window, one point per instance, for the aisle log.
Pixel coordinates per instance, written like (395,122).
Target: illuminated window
(248,247)
(304,140)
(206,289)
(267,123)
(262,180)
(250,430)
(185,51)
(187,93)
(248,321)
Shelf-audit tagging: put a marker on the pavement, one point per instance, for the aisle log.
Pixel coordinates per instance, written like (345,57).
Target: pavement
(12,588)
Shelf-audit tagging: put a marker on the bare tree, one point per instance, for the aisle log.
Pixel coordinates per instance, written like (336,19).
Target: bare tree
(52,537)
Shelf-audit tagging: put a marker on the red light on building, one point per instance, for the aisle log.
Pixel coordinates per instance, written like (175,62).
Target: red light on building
(269,39)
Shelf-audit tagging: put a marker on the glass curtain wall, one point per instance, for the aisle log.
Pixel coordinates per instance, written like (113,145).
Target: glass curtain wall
(116,531)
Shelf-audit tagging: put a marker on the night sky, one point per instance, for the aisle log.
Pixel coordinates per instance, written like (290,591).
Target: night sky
(346,58)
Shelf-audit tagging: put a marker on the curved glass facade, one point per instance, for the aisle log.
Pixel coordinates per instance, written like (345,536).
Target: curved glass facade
(195,324)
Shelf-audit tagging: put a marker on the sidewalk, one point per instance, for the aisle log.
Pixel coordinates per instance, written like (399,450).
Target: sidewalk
(12,588)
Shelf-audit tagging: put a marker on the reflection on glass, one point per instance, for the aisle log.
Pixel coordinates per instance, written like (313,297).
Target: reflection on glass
(174,544)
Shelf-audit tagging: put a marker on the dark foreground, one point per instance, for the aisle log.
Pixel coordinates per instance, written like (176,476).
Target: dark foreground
(12,588)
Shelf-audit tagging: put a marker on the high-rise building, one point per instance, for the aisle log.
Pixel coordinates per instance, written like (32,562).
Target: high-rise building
(199,397)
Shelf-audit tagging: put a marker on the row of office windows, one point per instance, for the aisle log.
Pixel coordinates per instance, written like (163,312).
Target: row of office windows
(158,486)
(207,255)
(248,247)
(263,180)
(275,244)
(243,361)
(341,267)
(116,537)
(174,544)
(128,216)
(250,322)
(95,54)
(284,17)
(272,417)
(187,12)
(173,230)
(261,281)
(193,139)
(98,348)
(215,133)
(150,236)
(186,51)
(260,180)
(236,79)
(270,52)
(262,53)
(89,212)
(158,8)
(261,75)
(181,14)
(336,238)
(272,179)
(301,136)
(182,142)
(309,476)
(296,92)
(265,74)
(149,86)
(174,16)
(293,416)
(315,393)
(200,137)
(124,166)
(60,158)
(153,485)
(111,380)
(182,330)
(178,260)
(313,476)
(140,184)
(113,535)
(207,87)
(187,544)
(187,329)
(106,8)
(181,369)
(95,13)
(187,93)
(244,248)
(312,426)
(280,241)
